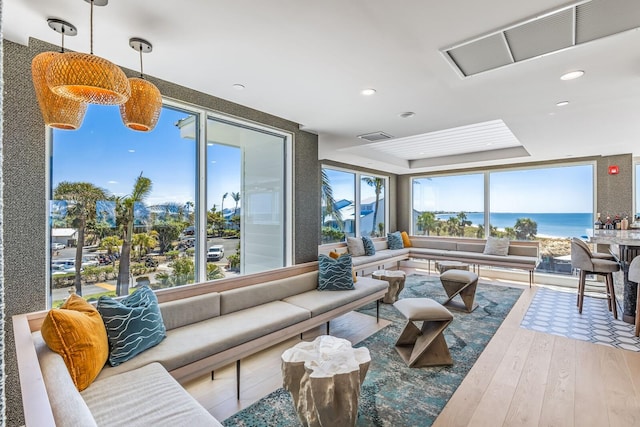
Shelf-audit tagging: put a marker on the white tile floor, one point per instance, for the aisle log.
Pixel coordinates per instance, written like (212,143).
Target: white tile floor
(555,312)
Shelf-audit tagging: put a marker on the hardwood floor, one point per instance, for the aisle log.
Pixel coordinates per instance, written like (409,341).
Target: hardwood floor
(523,378)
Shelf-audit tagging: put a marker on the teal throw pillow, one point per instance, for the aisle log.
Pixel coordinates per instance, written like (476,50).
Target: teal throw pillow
(369,247)
(335,274)
(394,240)
(134,324)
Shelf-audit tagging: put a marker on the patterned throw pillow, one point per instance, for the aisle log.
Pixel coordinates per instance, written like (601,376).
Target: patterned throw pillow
(134,324)
(336,255)
(335,274)
(369,247)
(394,240)
(75,331)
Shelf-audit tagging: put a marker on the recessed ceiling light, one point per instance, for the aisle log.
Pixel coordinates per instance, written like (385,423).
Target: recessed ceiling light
(407,114)
(562,103)
(238,86)
(572,75)
(368,92)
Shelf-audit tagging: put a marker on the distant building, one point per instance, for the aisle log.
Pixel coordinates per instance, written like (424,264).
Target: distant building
(66,236)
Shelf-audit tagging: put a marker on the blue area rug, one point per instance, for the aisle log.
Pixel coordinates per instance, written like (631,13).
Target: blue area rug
(392,393)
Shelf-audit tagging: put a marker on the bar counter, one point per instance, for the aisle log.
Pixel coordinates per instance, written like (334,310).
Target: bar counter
(624,245)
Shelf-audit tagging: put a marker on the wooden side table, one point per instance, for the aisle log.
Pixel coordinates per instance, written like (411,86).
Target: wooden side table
(324,378)
(395,278)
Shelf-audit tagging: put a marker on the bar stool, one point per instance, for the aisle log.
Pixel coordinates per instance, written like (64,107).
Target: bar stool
(634,276)
(582,258)
(600,255)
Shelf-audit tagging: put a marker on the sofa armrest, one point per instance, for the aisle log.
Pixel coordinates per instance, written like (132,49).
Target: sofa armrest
(35,400)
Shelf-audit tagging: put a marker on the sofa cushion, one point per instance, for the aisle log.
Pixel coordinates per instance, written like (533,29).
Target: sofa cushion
(369,246)
(365,260)
(318,302)
(335,274)
(250,296)
(186,311)
(496,246)
(67,405)
(471,247)
(134,324)
(75,331)
(355,245)
(197,341)
(147,396)
(447,245)
(380,244)
(394,240)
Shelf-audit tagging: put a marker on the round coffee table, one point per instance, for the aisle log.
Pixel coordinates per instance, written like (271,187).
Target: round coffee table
(443,266)
(324,378)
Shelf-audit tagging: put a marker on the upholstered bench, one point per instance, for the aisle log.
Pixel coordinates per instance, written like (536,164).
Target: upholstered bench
(424,346)
(463,283)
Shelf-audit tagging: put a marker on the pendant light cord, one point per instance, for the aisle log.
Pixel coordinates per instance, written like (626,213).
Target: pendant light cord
(91,28)
(141,76)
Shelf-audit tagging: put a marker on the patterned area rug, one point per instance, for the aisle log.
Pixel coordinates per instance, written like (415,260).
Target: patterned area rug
(394,394)
(555,312)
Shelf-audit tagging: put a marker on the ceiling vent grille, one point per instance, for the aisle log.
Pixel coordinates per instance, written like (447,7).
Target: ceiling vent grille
(375,136)
(550,32)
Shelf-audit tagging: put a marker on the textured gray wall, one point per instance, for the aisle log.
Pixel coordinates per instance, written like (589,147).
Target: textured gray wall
(25,213)
(615,192)
(2,318)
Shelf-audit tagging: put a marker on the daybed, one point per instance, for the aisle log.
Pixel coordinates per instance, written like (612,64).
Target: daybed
(209,325)
(522,255)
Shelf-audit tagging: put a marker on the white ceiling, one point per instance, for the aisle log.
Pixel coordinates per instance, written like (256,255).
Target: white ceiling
(308,61)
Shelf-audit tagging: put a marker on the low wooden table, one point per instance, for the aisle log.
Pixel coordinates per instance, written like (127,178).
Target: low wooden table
(443,266)
(395,278)
(324,378)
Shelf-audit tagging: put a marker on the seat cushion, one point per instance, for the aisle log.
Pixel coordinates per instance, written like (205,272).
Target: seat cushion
(320,302)
(422,309)
(604,266)
(147,396)
(460,276)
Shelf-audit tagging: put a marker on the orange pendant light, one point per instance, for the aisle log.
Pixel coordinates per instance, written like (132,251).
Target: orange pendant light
(86,77)
(142,110)
(57,111)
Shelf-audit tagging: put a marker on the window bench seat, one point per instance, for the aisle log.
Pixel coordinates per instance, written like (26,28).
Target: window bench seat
(209,325)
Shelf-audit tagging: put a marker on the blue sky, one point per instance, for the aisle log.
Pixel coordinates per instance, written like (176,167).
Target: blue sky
(548,190)
(106,153)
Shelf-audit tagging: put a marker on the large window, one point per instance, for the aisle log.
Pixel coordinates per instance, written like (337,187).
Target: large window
(549,205)
(170,207)
(449,206)
(353,204)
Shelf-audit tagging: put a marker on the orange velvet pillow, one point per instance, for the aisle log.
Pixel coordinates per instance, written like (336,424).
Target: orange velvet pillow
(405,239)
(336,255)
(76,332)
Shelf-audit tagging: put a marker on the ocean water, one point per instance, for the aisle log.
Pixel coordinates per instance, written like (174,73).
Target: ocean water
(549,224)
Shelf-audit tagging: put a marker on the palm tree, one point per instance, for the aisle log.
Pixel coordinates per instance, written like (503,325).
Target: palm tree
(328,200)
(125,208)
(526,229)
(81,200)
(144,242)
(427,222)
(378,185)
(236,198)
(224,196)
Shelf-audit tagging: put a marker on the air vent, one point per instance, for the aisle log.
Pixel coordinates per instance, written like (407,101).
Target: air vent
(549,32)
(375,136)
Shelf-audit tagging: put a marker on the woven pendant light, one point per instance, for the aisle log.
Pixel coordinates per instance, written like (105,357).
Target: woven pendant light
(57,111)
(142,110)
(86,77)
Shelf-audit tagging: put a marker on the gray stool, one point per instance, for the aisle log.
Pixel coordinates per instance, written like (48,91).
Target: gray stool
(463,283)
(425,346)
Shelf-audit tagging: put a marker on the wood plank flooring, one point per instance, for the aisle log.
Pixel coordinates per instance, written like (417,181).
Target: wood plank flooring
(523,378)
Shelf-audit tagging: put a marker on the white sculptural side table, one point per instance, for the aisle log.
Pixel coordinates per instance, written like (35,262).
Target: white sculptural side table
(324,378)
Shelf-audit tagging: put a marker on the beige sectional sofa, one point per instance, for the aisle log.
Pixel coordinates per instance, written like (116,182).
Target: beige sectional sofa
(209,325)
(523,255)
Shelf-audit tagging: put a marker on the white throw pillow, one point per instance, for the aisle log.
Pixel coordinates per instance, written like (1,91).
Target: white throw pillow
(355,246)
(496,246)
